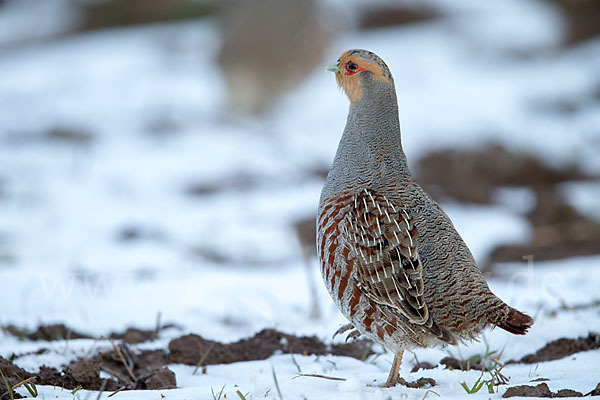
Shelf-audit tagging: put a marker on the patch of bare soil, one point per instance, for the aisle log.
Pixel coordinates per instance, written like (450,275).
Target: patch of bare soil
(422,365)
(148,369)
(473,176)
(46,333)
(581,17)
(463,365)
(134,335)
(13,375)
(61,332)
(144,370)
(419,383)
(240,182)
(541,390)
(190,349)
(394,14)
(100,15)
(563,347)
(69,135)
(559,231)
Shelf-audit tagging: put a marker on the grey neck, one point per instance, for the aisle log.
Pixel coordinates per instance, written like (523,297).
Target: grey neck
(370,151)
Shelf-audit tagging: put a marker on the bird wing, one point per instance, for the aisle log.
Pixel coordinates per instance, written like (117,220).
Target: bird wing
(384,240)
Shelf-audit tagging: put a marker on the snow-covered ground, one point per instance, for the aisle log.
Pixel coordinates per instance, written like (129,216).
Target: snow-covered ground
(152,104)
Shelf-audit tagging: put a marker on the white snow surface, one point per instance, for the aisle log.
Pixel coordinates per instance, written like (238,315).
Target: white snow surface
(153,100)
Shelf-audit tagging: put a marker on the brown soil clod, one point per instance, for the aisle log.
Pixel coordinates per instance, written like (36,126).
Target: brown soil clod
(62,332)
(85,372)
(47,333)
(473,176)
(70,135)
(378,16)
(162,378)
(567,393)
(137,371)
(463,365)
(13,375)
(190,349)
(563,347)
(559,231)
(422,365)
(420,383)
(134,335)
(541,390)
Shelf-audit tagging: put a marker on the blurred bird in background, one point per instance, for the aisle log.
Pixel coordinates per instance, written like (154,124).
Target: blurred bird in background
(268,48)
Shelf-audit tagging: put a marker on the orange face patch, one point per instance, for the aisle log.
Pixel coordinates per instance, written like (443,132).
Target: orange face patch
(350,68)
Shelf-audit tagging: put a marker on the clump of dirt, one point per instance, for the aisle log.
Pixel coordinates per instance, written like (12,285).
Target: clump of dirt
(80,372)
(559,231)
(47,333)
(240,182)
(134,233)
(419,383)
(541,390)
(581,17)
(145,370)
(13,375)
(379,16)
(68,135)
(162,378)
(135,336)
(192,348)
(62,332)
(567,393)
(473,176)
(463,365)
(422,365)
(563,347)
(148,369)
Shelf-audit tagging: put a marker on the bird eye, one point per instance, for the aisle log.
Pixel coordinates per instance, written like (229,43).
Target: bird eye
(351,67)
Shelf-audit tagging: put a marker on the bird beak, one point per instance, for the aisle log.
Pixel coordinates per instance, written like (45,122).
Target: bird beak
(333,67)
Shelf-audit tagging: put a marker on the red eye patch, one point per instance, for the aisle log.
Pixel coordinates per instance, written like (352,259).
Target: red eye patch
(352,68)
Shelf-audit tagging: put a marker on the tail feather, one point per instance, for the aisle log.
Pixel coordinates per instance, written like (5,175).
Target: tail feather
(515,322)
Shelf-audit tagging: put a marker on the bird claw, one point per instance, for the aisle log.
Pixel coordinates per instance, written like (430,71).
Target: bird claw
(355,334)
(344,328)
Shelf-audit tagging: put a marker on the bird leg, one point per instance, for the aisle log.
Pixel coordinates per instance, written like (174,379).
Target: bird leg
(394,376)
(344,328)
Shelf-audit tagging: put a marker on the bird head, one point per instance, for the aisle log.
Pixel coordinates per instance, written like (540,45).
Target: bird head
(357,70)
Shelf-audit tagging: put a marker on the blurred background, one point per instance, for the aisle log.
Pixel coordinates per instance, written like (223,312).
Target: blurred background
(168,156)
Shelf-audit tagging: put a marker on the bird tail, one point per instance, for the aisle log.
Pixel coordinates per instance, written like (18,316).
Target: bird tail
(515,322)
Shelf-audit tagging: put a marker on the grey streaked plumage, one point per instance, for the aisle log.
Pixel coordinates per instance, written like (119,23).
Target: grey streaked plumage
(391,258)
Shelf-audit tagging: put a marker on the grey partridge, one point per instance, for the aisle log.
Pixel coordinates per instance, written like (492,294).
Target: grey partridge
(267,48)
(390,256)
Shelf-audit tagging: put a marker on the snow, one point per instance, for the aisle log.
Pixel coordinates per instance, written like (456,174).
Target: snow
(154,104)
(584,197)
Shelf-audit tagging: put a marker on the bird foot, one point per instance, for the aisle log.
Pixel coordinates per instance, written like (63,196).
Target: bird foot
(355,334)
(344,328)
